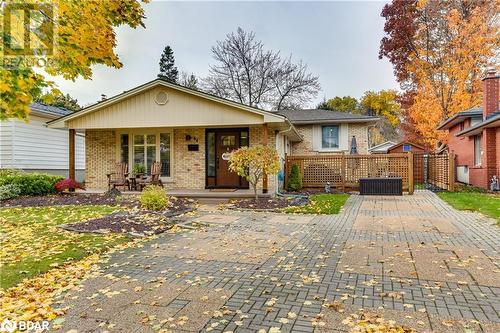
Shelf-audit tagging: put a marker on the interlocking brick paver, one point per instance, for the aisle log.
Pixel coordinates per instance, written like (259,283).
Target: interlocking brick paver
(413,259)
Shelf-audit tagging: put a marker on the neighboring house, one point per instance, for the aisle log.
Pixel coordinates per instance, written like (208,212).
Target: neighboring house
(33,147)
(381,148)
(474,136)
(405,147)
(192,133)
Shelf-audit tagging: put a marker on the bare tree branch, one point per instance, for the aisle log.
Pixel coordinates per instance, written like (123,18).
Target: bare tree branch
(247,73)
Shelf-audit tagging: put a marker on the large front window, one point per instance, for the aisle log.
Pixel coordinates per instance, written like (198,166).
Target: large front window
(330,136)
(146,148)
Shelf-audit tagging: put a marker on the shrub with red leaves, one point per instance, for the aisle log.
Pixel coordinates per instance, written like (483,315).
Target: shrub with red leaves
(68,184)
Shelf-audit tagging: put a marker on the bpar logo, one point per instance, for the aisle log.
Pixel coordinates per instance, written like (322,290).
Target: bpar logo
(8,326)
(23,325)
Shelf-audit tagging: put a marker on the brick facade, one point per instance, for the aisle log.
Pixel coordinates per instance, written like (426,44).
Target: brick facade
(489,158)
(463,146)
(100,157)
(306,147)
(256,137)
(188,166)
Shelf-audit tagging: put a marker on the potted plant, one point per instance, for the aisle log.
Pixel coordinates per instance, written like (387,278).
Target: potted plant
(138,170)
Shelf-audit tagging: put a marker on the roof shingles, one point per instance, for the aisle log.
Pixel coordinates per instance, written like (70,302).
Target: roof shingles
(312,116)
(49,109)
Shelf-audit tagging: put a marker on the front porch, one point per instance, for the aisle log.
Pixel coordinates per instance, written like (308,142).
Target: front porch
(189,133)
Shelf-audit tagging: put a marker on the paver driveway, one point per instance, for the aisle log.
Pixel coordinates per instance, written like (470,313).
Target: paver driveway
(412,258)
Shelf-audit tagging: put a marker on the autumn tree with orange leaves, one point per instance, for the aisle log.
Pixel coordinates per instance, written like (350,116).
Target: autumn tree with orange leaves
(439,50)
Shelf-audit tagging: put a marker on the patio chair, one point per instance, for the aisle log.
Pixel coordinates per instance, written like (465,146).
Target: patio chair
(153,179)
(119,177)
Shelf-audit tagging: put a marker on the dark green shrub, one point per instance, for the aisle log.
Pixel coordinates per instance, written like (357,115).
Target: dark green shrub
(154,198)
(31,183)
(294,179)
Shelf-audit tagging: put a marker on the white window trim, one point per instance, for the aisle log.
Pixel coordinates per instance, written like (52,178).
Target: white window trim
(343,138)
(480,150)
(154,131)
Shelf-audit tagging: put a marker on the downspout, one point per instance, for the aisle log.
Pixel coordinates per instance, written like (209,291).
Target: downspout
(278,193)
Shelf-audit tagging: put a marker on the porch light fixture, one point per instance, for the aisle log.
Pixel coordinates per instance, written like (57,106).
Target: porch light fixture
(189,138)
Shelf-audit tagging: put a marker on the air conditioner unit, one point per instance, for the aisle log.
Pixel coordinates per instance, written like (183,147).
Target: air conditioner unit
(463,174)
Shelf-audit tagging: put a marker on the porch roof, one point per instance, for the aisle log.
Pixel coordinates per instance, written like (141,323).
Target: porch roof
(159,103)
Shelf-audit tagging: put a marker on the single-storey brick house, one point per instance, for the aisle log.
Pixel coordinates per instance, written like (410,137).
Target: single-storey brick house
(474,136)
(190,133)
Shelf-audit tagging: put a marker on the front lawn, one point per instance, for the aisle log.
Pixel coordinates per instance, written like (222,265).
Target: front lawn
(321,204)
(33,244)
(487,204)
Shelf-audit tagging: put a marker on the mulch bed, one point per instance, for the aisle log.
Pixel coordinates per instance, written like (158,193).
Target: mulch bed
(267,203)
(69,199)
(136,222)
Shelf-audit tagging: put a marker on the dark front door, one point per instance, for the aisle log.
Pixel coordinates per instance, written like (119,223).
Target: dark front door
(225,143)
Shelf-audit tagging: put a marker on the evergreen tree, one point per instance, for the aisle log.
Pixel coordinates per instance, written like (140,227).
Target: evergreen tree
(167,69)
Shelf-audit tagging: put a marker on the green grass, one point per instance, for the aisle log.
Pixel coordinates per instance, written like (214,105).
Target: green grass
(487,204)
(33,244)
(321,204)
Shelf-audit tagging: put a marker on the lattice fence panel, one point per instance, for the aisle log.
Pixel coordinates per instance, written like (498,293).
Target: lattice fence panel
(438,172)
(345,170)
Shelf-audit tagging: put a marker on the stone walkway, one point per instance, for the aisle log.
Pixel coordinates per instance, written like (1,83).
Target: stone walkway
(413,259)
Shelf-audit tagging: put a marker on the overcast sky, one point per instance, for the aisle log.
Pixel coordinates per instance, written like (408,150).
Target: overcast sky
(338,40)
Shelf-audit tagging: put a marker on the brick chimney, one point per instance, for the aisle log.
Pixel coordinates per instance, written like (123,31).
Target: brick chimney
(490,92)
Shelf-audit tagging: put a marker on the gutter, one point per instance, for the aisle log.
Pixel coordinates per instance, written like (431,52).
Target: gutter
(464,115)
(291,128)
(481,125)
(335,121)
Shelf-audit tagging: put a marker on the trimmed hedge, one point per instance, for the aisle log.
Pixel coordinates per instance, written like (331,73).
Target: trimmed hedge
(31,183)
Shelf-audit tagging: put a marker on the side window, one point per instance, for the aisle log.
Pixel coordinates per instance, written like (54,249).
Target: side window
(330,136)
(477,150)
(124,148)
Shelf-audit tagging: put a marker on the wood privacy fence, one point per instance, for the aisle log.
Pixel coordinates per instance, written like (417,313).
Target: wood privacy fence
(435,170)
(344,171)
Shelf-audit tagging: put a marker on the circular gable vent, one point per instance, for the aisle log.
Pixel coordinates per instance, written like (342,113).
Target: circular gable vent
(161,98)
